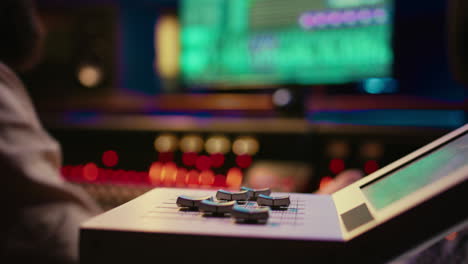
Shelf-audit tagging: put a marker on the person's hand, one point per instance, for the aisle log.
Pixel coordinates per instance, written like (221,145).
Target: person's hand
(342,180)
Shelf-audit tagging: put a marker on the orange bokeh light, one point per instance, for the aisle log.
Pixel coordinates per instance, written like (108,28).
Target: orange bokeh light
(155,172)
(169,173)
(325,181)
(207,177)
(193,177)
(234,178)
(180,177)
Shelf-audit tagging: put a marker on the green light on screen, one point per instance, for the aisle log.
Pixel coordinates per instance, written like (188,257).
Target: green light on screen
(352,3)
(249,42)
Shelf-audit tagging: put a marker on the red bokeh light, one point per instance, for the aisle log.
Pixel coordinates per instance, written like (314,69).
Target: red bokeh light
(76,172)
(127,176)
(65,171)
(203,163)
(244,161)
(220,180)
(166,156)
(135,177)
(144,177)
(104,174)
(110,158)
(193,177)
(370,166)
(90,172)
(217,160)
(189,158)
(337,165)
(181,177)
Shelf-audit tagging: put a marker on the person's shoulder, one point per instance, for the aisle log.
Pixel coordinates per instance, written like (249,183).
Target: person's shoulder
(7,77)
(15,102)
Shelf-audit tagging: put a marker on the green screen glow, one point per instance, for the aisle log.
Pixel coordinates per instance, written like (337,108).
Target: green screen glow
(422,172)
(252,42)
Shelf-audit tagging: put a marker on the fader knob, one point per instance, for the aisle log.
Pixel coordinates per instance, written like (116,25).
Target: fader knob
(232,196)
(257,215)
(190,201)
(216,207)
(254,193)
(281,201)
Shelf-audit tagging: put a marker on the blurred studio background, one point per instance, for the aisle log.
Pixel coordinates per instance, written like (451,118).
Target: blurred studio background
(222,93)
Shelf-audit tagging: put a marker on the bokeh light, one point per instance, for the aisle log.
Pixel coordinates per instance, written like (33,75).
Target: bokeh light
(189,158)
(166,143)
(371,166)
(338,149)
(191,143)
(167,46)
(282,97)
(165,156)
(336,165)
(218,144)
(234,178)
(203,163)
(155,173)
(325,181)
(169,173)
(244,161)
(193,178)
(207,177)
(217,160)
(220,180)
(110,158)
(372,150)
(245,145)
(90,75)
(90,172)
(181,177)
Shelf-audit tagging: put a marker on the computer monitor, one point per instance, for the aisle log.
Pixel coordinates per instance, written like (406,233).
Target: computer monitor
(275,42)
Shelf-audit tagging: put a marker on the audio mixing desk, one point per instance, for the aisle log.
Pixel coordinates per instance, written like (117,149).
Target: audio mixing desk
(396,209)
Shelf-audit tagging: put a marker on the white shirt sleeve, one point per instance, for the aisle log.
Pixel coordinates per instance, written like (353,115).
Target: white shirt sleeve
(37,198)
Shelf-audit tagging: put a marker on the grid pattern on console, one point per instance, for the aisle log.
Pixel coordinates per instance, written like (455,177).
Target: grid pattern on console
(168,209)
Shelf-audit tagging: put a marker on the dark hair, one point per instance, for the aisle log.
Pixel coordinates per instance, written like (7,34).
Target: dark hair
(21,33)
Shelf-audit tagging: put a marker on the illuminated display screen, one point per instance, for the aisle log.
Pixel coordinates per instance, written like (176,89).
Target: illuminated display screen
(420,173)
(285,42)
